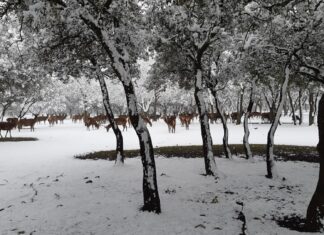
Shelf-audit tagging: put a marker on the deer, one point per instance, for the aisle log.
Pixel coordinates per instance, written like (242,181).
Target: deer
(77,117)
(122,121)
(13,120)
(91,122)
(171,122)
(61,118)
(42,119)
(52,120)
(266,117)
(128,120)
(146,120)
(27,122)
(255,114)
(7,126)
(185,120)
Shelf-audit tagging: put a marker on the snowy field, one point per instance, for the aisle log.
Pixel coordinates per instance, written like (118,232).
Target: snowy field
(44,190)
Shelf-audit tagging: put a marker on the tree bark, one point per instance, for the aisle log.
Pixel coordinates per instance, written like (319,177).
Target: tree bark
(240,107)
(3,112)
(120,157)
(122,71)
(300,106)
(247,148)
(271,167)
(292,107)
(315,210)
(226,148)
(311,107)
(210,164)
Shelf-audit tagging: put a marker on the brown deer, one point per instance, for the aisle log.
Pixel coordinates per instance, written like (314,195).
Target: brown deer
(61,118)
(128,120)
(52,120)
(42,119)
(122,121)
(27,122)
(101,118)
(13,120)
(171,122)
(185,120)
(146,119)
(267,116)
(91,122)
(76,118)
(6,126)
(255,114)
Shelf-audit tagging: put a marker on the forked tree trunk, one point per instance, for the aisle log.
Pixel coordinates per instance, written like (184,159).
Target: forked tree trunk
(227,150)
(122,71)
(105,96)
(292,107)
(246,144)
(315,210)
(210,164)
(271,167)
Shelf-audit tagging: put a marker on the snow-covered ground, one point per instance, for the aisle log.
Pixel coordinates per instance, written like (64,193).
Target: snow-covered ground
(44,190)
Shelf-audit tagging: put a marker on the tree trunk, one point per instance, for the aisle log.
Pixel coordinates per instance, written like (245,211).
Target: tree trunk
(247,148)
(311,107)
(119,137)
(3,112)
(210,164)
(292,107)
(300,105)
(240,107)
(150,190)
(227,150)
(315,210)
(271,167)
(122,71)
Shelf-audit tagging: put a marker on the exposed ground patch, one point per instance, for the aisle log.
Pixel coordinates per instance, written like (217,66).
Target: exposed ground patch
(283,152)
(18,139)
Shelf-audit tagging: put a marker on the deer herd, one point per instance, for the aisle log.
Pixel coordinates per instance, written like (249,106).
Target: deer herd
(123,120)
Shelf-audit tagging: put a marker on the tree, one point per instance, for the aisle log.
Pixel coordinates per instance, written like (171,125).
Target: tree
(118,27)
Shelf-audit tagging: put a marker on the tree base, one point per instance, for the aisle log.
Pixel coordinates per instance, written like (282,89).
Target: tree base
(151,208)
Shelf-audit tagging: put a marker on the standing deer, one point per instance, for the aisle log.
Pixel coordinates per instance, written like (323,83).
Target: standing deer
(122,121)
(91,122)
(27,122)
(42,119)
(146,120)
(13,120)
(6,126)
(171,122)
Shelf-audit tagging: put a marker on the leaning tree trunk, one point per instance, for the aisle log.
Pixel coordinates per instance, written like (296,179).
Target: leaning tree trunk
(120,66)
(246,144)
(315,210)
(271,167)
(105,96)
(292,107)
(210,164)
(311,107)
(227,150)
(150,190)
